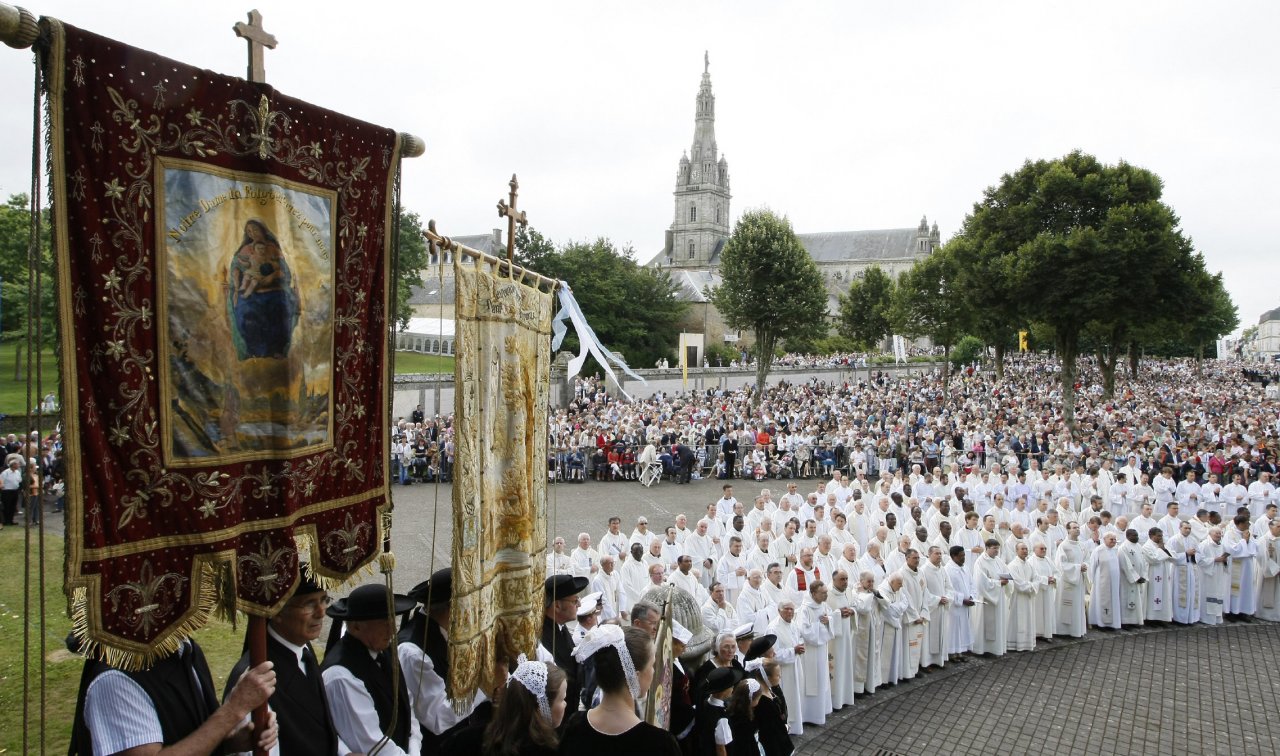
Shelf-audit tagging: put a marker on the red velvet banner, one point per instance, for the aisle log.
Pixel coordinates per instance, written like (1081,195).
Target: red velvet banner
(223,265)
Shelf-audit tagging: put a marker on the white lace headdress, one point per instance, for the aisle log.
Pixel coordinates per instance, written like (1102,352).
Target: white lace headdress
(755,665)
(605,636)
(753,687)
(532,675)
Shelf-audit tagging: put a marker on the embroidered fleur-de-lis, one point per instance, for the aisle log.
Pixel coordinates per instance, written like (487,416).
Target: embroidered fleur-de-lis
(347,544)
(143,603)
(265,119)
(264,572)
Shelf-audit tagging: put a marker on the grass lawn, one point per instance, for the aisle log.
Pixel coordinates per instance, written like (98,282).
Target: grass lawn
(416,362)
(13,394)
(220,643)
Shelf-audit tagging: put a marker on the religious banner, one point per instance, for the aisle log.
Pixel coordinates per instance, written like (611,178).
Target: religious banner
(222,254)
(502,371)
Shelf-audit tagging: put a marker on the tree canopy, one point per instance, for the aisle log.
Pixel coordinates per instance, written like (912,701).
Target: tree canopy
(927,301)
(15,234)
(865,308)
(770,286)
(410,261)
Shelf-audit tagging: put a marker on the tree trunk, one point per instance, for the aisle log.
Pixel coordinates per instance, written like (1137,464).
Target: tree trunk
(946,364)
(999,361)
(1108,360)
(1200,359)
(1067,349)
(1133,360)
(764,360)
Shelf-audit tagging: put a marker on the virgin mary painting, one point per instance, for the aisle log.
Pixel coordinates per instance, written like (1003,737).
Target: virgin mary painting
(262,298)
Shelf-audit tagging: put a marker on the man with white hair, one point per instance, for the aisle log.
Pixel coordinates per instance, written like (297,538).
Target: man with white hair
(1186,576)
(1071,562)
(731,571)
(1215,578)
(1269,566)
(789,648)
(718,614)
(844,638)
(815,621)
(991,578)
(752,603)
(608,583)
(760,558)
(893,622)
(1159,576)
(614,542)
(825,558)
(584,560)
(1046,601)
(558,562)
(871,562)
(641,534)
(1108,585)
(939,595)
(1245,577)
(1261,493)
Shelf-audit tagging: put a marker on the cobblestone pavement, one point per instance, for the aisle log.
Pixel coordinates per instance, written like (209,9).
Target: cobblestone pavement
(1170,691)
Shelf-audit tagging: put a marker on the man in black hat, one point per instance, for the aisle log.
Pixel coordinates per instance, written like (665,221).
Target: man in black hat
(424,658)
(560,606)
(302,712)
(360,678)
(172,703)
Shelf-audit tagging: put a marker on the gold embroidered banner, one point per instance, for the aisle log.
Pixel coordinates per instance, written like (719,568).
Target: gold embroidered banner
(223,262)
(502,372)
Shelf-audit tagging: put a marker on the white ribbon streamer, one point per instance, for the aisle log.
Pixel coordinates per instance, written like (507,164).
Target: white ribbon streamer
(587,340)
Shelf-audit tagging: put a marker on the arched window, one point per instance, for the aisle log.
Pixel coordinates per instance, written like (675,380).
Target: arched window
(691,250)
(693,213)
(717,215)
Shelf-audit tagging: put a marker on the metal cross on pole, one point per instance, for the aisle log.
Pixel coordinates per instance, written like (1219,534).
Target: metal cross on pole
(513,217)
(258,38)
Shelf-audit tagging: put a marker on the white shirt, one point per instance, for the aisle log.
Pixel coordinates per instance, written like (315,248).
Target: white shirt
(356,719)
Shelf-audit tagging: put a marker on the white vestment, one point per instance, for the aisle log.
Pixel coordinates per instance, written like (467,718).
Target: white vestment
(1133,595)
(843,647)
(992,609)
(1105,580)
(815,703)
(751,607)
(893,621)
(1186,581)
(1072,586)
(1269,567)
(960,632)
(914,631)
(1022,606)
(1215,581)
(1159,582)
(792,682)
(1245,578)
(866,671)
(1046,597)
(937,587)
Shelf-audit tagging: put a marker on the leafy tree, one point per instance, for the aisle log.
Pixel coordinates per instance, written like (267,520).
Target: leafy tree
(532,249)
(1210,313)
(15,236)
(1085,249)
(411,260)
(927,302)
(770,286)
(967,351)
(984,283)
(864,309)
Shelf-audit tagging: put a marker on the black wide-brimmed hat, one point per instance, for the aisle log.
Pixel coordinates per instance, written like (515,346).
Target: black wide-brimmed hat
(307,584)
(369,602)
(437,589)
(722,677)
(760,646)
(563,586)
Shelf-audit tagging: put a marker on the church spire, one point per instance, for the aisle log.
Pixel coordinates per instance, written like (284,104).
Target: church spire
(701,222)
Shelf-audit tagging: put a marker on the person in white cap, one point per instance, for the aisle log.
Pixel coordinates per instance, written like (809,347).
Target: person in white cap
(588,615)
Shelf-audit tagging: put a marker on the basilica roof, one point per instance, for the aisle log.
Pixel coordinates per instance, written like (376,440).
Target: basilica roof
(841,246)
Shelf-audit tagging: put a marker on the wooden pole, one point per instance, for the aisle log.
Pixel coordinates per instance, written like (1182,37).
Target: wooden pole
(257,655)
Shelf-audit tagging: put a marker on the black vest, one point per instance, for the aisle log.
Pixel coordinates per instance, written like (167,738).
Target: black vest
(559,642)
(180,708)
(351,653)
(422,631)
(302,711)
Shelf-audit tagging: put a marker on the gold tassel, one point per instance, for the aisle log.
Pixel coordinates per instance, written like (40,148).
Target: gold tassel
(387,562)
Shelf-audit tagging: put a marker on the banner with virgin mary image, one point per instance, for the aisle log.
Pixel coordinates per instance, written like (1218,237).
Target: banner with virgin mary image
(223,267)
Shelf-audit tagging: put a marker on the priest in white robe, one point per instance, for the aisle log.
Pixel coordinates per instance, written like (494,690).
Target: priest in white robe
(1245,576)
(1186,576)
(1159,577)
(752,602)
(788,650)
(1022,604)
(1072,588)
(1269,567)
(1046,601)
(963,598)
(939,594)
(815,627)
(1133,571)
(1107,584)
(991,579)
(868,605)
(844,639)
(893,622)
(915,624)
(1215,578)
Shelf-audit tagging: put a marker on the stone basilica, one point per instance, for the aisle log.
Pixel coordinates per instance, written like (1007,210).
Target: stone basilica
(702,225)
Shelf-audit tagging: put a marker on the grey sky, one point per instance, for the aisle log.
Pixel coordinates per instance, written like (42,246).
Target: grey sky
(841,115)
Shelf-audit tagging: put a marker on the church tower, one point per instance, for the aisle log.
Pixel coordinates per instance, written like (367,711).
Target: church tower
(701,222)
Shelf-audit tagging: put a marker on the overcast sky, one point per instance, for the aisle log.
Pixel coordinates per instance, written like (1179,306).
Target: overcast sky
(843,115)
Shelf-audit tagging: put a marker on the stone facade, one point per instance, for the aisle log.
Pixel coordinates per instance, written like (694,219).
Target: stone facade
(701,226)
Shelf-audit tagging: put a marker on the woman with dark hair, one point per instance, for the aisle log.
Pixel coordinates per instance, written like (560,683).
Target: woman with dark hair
(624,671)
(770,710)
(742,717)
(262,299)
(531,708)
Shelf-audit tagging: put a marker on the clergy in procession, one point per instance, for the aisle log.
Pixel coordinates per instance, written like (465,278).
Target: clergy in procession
(939,595)
(302,712)
(365,693)
(1269,567)
(1046,602)
(1245,579)
(1186,576)
(1022,601)
(844,639)
(868,604)
(1073,570)
(1133,571)
(804,574)
(789,650)
(963,599)
(991,579)
(1215,578)
(1159,577)
(816,628)
(1107,584)
(752,602)
(914,627)
(893,623)
(423,651)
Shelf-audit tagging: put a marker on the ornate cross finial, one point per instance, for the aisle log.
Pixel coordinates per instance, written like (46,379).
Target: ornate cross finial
(513,217)
(706,61)
(258,38)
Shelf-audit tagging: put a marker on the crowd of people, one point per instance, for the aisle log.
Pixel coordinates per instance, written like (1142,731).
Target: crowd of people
(954,519)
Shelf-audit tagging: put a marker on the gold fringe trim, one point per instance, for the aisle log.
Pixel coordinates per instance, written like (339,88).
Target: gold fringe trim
(387,562)
(207,602)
